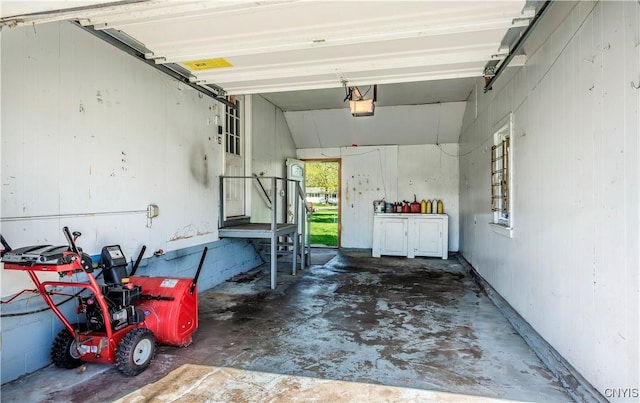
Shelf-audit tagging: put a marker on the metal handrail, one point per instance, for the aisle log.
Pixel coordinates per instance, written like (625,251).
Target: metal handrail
(253,177)
(302,223)
(299,191)
(306,225)
(264,191)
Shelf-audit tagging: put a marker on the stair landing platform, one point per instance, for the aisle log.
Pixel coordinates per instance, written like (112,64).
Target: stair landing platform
(256,230)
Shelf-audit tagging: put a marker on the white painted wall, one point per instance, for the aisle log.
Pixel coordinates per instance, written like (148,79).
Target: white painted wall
(571,268)
(90,132)
(271,146)
(394,173)
(431,172)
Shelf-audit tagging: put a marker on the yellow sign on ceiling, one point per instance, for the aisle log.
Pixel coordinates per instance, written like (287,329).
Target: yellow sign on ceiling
(207,64)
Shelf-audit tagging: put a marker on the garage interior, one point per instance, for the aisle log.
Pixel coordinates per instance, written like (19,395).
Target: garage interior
(357,319)
(123,120)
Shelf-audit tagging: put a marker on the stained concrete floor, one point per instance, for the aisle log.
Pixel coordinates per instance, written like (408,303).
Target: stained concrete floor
(419,323)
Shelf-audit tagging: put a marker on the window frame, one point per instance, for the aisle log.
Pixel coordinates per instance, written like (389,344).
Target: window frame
(501,180)
(233,129)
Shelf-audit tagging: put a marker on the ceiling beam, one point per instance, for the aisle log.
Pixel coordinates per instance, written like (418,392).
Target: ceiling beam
(308,14)
(43,15)
(518,45)
(173,10)
(315,83)
(210,90)
(370,64)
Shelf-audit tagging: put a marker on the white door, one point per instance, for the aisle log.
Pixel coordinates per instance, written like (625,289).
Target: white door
(393,236)
(428,237)
(296,171)
(234,189)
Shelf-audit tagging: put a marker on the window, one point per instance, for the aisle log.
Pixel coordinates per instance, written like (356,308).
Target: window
(501,174)
(234,159)
(232,131)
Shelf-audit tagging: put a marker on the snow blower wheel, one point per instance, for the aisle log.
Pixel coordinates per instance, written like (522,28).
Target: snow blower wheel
(135,351)
(64,352)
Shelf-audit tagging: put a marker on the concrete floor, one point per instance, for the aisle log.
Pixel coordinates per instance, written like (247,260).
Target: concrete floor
(416,323)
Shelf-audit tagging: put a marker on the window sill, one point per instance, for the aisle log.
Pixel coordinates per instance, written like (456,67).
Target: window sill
(501,230)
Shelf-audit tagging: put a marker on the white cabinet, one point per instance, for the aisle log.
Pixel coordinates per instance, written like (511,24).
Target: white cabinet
(410,235)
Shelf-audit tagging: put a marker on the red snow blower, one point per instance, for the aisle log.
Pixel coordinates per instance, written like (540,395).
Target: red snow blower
(124,317)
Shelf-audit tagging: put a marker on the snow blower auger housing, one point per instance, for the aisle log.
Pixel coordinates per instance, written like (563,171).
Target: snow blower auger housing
(124,317)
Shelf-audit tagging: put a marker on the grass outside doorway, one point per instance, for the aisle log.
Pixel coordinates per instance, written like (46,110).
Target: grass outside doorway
(324,226)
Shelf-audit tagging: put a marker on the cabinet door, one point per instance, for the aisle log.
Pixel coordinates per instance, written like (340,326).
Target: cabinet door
(427,237)
(393,236)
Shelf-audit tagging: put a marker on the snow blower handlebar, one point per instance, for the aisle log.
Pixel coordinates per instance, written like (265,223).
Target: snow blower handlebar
(5,246)
(195,279)
(70,241)
(134,268)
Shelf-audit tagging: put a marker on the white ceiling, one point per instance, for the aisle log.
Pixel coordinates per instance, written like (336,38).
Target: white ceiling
(275,46)
(296,45)
(414,93)
(298,53)
(392,125)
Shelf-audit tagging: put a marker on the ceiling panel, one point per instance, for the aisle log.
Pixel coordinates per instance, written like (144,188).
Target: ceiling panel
(275,46)
(293,45)
(412,93)
(313,25)
(402,125)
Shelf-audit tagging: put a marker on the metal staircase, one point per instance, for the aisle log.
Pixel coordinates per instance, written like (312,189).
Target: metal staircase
(288,235)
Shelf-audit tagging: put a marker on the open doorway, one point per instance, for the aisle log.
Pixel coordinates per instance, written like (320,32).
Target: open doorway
(322,179)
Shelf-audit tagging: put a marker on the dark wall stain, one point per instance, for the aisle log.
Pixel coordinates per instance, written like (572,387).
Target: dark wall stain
(199,165)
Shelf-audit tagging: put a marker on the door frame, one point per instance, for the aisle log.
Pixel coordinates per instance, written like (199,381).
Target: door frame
(339,161)
(246,130)
(291,194)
